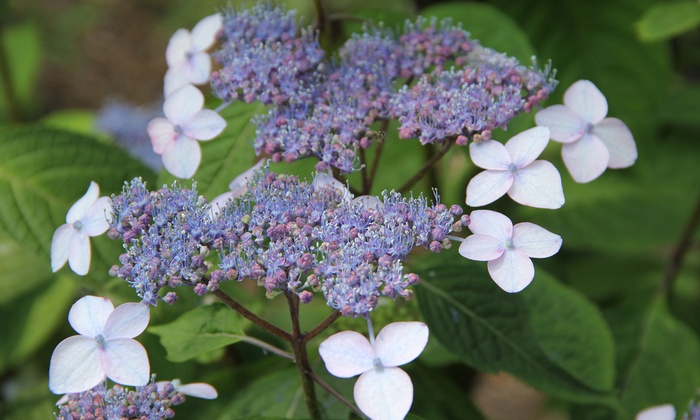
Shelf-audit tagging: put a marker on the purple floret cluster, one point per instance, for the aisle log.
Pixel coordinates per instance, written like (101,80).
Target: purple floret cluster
(287,235)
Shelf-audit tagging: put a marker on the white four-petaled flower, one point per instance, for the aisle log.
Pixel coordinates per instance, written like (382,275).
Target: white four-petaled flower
(196,389)
(513,169)
(105,347)
(383,391)
(507,248)
(591,141)
(175,137)
(71,241)
(188,61)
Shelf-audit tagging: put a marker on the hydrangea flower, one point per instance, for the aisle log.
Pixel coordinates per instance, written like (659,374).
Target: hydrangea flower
(383,391)
(513,169)
(175,137)
(188,61)
(591,141)
(237,187)
(197,389)
(507,248)
(659,412)
(71,241)
(105,347)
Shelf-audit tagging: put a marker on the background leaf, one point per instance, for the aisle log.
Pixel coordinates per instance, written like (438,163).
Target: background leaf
(666,20)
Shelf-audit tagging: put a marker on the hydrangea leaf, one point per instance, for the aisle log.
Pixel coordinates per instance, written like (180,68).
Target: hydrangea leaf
(23,53)
(199,331)
(547,335)
(664,21)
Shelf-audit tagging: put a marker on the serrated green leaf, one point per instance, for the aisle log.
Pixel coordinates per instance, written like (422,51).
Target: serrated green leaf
(547,335)
(17,264)
(199,331)
(276,395)
(667,20)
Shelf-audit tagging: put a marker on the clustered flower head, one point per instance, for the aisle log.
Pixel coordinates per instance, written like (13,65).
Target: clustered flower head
(285,234)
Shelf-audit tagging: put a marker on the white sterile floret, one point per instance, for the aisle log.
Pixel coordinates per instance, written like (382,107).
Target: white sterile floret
(507,248)
(513,169)
(71,241)
(188,61)
(196,389)
(591,141)
(175,137)
(105,347)
(383,391)
(659,412)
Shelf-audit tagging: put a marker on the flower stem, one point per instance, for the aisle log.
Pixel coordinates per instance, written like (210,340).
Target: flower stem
(676,261)
(377,156)
(268,347)
(231,303)
(427,167)
(336,394)
(320,327)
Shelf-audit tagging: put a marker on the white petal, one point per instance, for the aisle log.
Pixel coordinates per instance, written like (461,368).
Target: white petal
(125,362)
(199,68)
(198,390)
(347,354)
(75,366)
(60,244)
(491,223)
(205,125)
(487,187)
(512,272)
(489,154)
(619,141)
(80,208)
(535,241)
(178,47)
(162,133)
(204,32)
(538,185)
(182,157)
(400,342)
(79,254)
(385,394)
(584,98)
(527,146)
(239,185)
(481,248)
(369,201)
(127,321)
(95,221)
(220,202)
(183,104)
(175,78)
(659,412)
(89,315)
(564,124)
(324,180)
(586,159)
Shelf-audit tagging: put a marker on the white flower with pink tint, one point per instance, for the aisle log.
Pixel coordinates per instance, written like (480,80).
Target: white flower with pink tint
(383,391)
(592,142)
(196,389)
(513,169)
(507,248)
(659,412)
(175,137)
(105,347)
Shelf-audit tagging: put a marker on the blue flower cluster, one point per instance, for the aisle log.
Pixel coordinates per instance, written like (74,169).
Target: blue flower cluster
(287,235)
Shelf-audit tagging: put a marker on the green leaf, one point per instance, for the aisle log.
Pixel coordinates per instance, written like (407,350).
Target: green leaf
(667,20)
(547,335)
(23,51)
(682,106)
(18,264)
(199,331)
(277,395)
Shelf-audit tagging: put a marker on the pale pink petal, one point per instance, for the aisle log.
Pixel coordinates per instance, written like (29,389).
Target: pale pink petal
(79,254)
(564,124)
(60,245)
(491,223)
(586,159)
(385,394)
(162,133)
(512,272)
(95,221)
(183,104)
(89,315)
(198,390)
(199,68)
(538,185)
(127,321)
(239,185)
(487,187)
(178,47)
(125,362)
(400,342)
(182,157)
(619,141)
(481,248)
(489,154)
(175,78)
(75,366)
(204,32)
(527,146)
(659,412)
(80,208)
(535,241)
(584,98)
(347,354)
(205,125)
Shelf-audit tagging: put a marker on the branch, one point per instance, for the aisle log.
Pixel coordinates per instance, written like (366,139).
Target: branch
(676,261)
(320,327)
(336,394)
(228,300)
(426,168)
